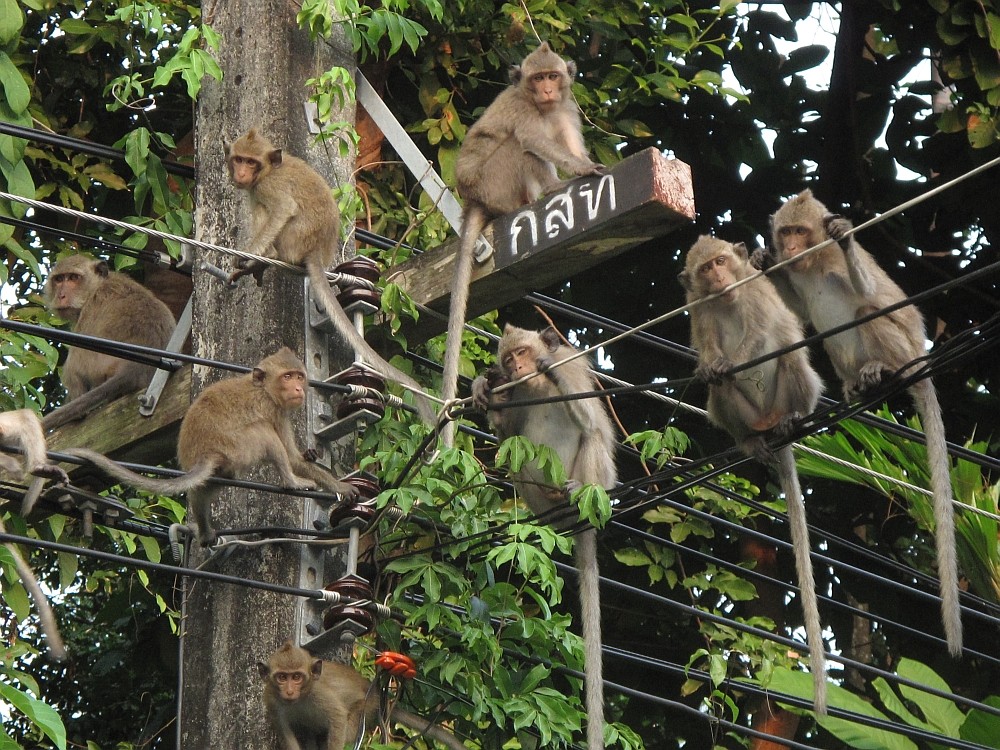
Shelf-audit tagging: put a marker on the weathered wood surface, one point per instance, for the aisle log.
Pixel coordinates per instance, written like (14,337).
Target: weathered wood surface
(118,430)
(589,221)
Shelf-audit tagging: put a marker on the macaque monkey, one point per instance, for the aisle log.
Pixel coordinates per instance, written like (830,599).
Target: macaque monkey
(230,427)
(837,285)
(509,158)
(296,219)
(103,303)
(580,432)
(741,325)
(22,428)
(318,705)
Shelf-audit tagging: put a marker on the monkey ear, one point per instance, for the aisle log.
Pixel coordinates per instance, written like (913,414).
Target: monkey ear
(514,74)
(101,269)
(570,70)
(685,279)
(741,250)
(274,157)
(551,338)
(264,670)
(316,667)
(258,376)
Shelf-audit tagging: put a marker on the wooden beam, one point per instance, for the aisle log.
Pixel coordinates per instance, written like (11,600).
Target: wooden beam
(589,221)
(117,429)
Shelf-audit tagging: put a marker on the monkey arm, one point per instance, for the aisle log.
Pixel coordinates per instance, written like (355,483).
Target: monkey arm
(858,262)
(280,208)
(539,143)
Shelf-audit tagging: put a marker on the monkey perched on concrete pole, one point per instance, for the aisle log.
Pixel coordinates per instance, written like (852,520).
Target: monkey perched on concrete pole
(837,285)
(509,158)
(580,432)
(743,324)
(296,220)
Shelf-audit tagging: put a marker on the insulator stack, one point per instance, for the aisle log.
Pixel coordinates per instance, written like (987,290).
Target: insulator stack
(358,294)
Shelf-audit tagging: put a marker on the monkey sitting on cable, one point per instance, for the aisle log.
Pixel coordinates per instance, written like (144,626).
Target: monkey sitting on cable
(741,325)
(230,427)
(21,428)
(509,158)
(104,304)
(296,220)
(317,704)
(837,285)
(580,432)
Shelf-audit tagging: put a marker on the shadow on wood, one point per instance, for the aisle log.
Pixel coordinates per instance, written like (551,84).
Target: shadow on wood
(590,220)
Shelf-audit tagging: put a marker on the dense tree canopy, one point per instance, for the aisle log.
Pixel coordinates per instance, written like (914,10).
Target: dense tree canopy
(869,104)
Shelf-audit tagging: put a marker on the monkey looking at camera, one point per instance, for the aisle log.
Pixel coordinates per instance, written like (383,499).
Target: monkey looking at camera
(230,427)
(743,324)
(509,158)
(580,432)
(317,704)
(295,219)
(21,428)
(837,285)
(105,304)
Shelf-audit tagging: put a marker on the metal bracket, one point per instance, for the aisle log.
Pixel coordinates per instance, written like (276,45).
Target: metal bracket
(149,399)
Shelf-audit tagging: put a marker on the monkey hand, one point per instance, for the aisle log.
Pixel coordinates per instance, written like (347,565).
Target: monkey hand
(345,489)
(595,169)
(482,387)
(248,268)
(311,455)
(836,227)
(714,372)
(762,258)
(50,471)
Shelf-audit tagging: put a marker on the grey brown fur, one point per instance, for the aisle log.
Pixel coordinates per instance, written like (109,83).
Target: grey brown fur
(232,426)
(741,325)
(581,433)
(837,285)
(105,304)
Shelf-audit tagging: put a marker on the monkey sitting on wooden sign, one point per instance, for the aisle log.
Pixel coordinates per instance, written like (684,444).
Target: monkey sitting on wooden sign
(580,432)
(317,704)
(296,219)
(230,427)
(743,324)
(105,304)
(509,158)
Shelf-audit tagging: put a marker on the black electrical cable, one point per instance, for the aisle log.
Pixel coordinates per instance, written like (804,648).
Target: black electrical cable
(86,147)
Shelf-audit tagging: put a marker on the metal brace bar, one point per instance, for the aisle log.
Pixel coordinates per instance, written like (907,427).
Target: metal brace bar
(149,399)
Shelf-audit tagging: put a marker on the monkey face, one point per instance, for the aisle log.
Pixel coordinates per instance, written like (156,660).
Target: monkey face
(519,361)
(793,241)
(244,171)
(66,294)
(291,389)
(718,273)
(546,88)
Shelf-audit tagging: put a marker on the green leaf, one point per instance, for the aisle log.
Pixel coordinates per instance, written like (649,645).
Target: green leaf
(941,713)
(15,89)
(11,20)
(43,716)
(982,727)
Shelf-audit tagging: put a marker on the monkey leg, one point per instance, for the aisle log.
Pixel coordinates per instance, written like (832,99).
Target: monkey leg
(128,379)
(49,471)
(247,267)
(10,464)
(200,511)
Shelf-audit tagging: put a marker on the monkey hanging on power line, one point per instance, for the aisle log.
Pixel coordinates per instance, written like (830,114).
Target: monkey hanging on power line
(509,158)
(837,285)
(743,324)
(580,432)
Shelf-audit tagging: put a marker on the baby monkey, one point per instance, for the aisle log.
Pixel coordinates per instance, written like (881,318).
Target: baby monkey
(580,432)
(837,285)
(743,324)
(314,704)
(230,427)
(509,158)
(21,428)
(296,219)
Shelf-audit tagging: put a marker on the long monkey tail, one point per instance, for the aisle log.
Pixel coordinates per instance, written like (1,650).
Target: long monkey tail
(200,474)
(321,289)
(585,553)
(789,479)
(473,222)
(944,515)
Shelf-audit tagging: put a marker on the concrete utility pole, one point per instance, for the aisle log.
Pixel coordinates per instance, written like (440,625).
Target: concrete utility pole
(266,60)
